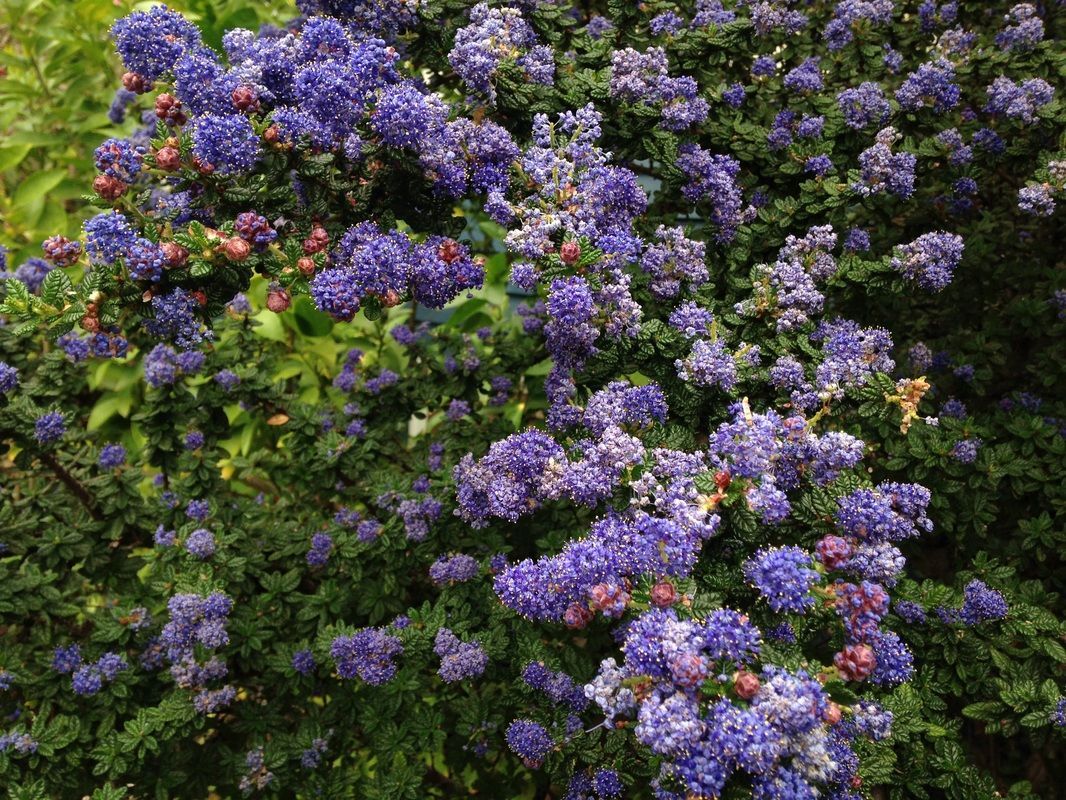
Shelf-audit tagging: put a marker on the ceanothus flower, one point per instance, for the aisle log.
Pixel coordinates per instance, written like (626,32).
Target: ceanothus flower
(882,170)
(709,364)
(458,660)
(1024,31)
(150,42)
(368,654)
(453,569)
(672,259)
(783,575)
(529,741)
(227,143)
(9,377)
(112,456)
(932,84)
(497,35)
(930,260)
(1019,101)
(50,427)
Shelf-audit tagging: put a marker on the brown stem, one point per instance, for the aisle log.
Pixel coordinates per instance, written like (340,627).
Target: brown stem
(72,483)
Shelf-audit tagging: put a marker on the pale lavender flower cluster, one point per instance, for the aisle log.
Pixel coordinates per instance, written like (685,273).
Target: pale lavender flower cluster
(863,105)
(849,14)
(932,84)
(453,569)
(458,660)
(644,78)
(787,289)
(495,36)
(885,171)
(1024,29)
(672,259)
(576,193)
(930,260)
(713,178)
(1020,101)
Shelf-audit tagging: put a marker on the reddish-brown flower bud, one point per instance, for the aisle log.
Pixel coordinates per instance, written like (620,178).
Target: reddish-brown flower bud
(90,323)
(168,108)
(278,300)
(109,188)
(833,713)
(746,685)
(570,252)
(722,479)
(306,266)
(245,98)
(135,83)
(391,298)
(855,662)
(449,251)
(199,296)
(202,166)
(317,241)
(174,253)
(168,159)
(577,616)
(663,594)
(236,249)
(271,134)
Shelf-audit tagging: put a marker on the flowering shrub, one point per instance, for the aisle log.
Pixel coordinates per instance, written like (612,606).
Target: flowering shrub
(526,401)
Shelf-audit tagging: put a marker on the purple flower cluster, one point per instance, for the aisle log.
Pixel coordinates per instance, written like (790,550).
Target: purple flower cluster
(560,688)
(88,679)
(850,14)
(195,620)
(708,364)
(806,78)
(884,171)
(980,604)
(164,365)
(783,575)
(320,550)
(575,194)
(863,105)
(713,179)
(150,42)
(672,259)
(890,512)
(50,427)
(387,266)
(458,660)
(495,36)
(644,78)
(368,654)
(1024,29)
(453,569)
(529,741)
(787,289)
(9,377)
(932,84)
(930,260)
(1020,101)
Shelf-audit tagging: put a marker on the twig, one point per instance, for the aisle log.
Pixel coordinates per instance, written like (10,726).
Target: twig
(72,483)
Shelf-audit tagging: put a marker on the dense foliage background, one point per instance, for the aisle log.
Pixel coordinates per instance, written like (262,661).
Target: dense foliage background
(281,435)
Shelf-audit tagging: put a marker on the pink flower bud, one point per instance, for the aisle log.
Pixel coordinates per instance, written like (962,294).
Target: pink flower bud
(663,594)
(278,300)
(746,685)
